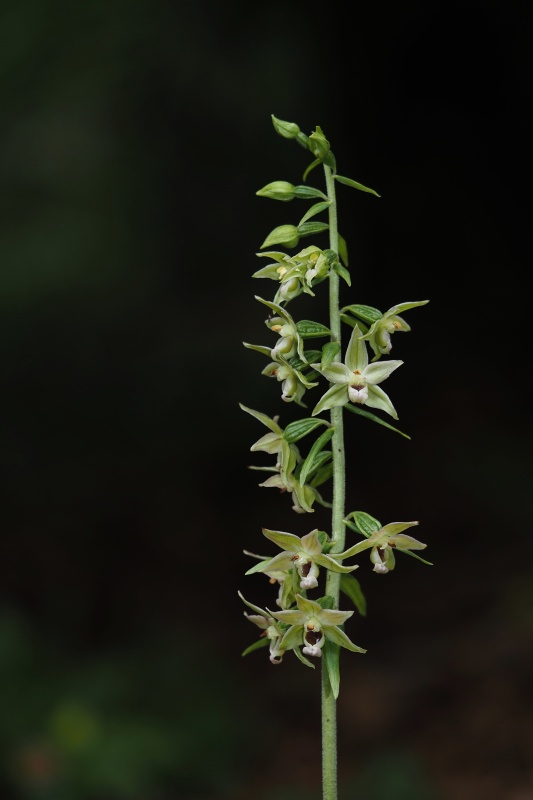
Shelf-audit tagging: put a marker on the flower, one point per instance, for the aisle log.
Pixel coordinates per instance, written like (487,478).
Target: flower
(295,274)
(305,554)
(388,539)
(293,381)
(283,578)
(356,380)
(275,443)
(270,629)
(303,497)
(378,336)
(383,541)
(311,625)
(289,345)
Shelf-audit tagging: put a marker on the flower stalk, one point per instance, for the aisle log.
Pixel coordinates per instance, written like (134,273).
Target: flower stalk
(312,627)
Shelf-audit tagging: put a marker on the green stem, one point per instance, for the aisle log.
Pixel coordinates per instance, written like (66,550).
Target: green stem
(338,531)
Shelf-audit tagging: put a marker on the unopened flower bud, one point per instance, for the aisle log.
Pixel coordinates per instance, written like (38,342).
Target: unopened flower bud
(289,130)
(283,234)
(277,190)
(318,144)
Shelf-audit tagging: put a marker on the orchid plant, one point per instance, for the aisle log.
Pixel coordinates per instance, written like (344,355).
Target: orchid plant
(312,628)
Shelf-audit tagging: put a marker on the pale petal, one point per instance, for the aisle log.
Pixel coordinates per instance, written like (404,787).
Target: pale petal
(308,607)
(335,373)
(330,616)
(335,396)
(292,638)
(287,541)
(378,399)
(376,373)
(332,564)
(339,637)
(356,352)
(310,543)
(292,616)
(393,528)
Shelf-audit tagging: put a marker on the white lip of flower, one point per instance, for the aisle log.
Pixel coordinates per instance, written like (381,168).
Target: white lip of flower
(314,639)
(308,571)
(358,391)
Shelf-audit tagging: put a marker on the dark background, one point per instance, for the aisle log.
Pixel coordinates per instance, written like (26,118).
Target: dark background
(133,137)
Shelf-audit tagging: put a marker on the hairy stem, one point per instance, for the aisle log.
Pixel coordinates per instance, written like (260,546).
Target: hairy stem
(338,532)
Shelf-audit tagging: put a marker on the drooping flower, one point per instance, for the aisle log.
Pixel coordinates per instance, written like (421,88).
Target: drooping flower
(295,274)
(382,326)
(382,541)
(305,554)
(284,579)
(270,628)
(311,625)
(356,380)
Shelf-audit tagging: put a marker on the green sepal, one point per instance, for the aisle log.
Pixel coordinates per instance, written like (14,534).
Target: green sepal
(356,410)
(309,228)
(352,589)
(301,427)
(307,193)
(258,567)
(367,314)
(329,351)
(298,653)
(355,184)
(343,250)
(418,558)
(270,423)
(288,235)
(331,656)
(365,523)
(309,462)
(313,211)
(311,167)
(259,348)
(311,330)
(256,645)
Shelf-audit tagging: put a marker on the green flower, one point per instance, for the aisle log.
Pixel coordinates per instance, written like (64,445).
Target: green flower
(295,274)
(305,554)
(288,455)
(383,541)
(270,629)
(379,335)
(283,578)
(311,625)
(303,497)
(293,381)
(289,345)
(356,380)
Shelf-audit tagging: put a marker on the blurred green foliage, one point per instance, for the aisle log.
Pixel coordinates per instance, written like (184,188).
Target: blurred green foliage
(137,723)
